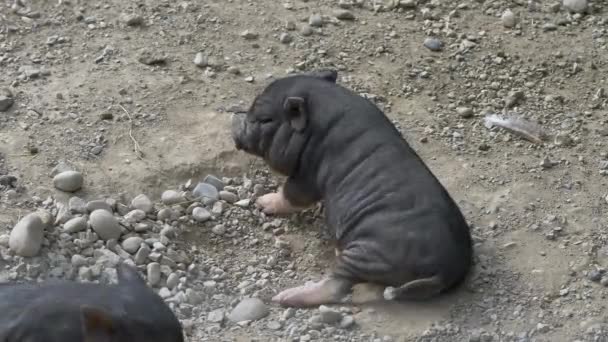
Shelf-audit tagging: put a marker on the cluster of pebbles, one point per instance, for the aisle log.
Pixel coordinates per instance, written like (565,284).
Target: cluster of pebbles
(86,239)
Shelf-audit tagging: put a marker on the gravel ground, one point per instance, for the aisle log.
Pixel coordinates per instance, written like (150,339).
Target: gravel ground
(113,113)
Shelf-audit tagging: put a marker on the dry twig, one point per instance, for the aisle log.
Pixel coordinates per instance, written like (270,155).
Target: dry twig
(136,146)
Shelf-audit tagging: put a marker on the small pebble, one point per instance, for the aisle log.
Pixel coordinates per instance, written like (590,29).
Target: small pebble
(508,19)
(249,35)
(433,44)
(344,14)
(249,309)
(200,214)
(200,60)
(315,20)
(131,19)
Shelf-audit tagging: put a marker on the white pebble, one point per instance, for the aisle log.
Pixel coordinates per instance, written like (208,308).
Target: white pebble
(153,273)
(75,225)
(508,19)
(27,235)
(200,214)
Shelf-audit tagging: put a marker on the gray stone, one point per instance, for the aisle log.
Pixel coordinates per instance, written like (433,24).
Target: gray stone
(153,273)
(249,309)
(285,38)
(6,103)
(143,203)
(508,19)
(193,297)
(105,225)
(433,44)
(315,20)
(206,193)
(201,214)
(99,204)
(171,197)
(78,260)
(135,216)
(216,316)
(219,229)
(132,244)
(228,196)
(151,57)
(26,237)
(77,205)
(249,35)
(172,281)
(464,112)
(164,214)
(344,14)
(306,30)
(68,181)
(75,225)
(131,19)
(201,60)
(329,315)
(213,180)
(142,255)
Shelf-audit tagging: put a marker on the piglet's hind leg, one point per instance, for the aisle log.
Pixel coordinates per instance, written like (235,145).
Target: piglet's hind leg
(327,291)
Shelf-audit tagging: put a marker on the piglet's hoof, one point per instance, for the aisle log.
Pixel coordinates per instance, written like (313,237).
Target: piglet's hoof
(327,291)
(274,203)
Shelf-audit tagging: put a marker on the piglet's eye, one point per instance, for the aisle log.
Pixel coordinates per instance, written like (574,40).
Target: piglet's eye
(265,120)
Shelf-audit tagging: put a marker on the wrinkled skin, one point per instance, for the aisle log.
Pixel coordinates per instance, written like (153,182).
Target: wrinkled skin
(393,222)
(59,311)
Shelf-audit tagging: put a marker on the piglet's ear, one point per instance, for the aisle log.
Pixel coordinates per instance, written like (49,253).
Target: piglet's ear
(97,325)
(296,113)
(327,75)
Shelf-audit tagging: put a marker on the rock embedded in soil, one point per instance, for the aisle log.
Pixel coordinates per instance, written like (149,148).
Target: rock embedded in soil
(433,44)
(249,309)
(508,19)
(344,14)
(105,225)
(315,20)
(200,60)
(249,35)
(143,203)
(131,19)
(68,181)
(151,57)
(26,237)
